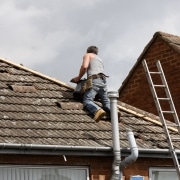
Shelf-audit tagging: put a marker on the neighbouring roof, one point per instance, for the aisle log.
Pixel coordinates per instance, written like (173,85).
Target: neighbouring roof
(172,40)
(38,110)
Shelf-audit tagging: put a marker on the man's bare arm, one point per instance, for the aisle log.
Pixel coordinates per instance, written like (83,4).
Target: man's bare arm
(83,69)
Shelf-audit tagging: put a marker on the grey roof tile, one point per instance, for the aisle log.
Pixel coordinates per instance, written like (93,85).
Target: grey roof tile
(51,116)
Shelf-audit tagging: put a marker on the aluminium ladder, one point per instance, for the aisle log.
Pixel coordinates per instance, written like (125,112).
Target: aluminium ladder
(161,113)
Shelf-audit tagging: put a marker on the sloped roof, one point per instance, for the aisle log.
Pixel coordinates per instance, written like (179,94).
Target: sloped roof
(36,110)
(171,40)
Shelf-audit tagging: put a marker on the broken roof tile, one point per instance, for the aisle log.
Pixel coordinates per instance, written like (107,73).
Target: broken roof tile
(70,105)
(23,89)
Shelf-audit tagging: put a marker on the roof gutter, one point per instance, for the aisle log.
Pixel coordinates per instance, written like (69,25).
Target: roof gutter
(8,148)
(151,153)
(157,153)
(38,149)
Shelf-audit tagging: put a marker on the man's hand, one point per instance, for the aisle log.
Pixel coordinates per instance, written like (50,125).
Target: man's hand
(75,80)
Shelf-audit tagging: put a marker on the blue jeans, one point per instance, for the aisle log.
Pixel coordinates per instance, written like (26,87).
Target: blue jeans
(100,89)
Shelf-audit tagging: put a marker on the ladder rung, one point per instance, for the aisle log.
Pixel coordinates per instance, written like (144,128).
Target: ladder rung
(164,99)
(175,139)
(161,85)
(168,112)
(172,125)
(155,72)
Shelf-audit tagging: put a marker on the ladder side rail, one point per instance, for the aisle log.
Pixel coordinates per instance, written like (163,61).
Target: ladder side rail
(157,103)
(175,116)
(160,112)
(168,94)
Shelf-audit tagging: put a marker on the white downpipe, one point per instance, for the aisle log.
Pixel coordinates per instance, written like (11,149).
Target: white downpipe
(134,150)
(115,135)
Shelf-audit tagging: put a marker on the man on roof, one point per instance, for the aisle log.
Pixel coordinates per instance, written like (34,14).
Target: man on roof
(93,66)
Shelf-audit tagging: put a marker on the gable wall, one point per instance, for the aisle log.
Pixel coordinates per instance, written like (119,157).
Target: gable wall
(100,167)
(137,92)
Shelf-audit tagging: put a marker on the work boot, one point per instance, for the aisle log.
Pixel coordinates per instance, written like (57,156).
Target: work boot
(99,114)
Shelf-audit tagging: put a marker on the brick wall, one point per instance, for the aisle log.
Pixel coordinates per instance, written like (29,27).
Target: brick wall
(137,92)
(100,167)
(142,165)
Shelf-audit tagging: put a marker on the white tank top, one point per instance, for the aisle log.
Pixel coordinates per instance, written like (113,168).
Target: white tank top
(95,66)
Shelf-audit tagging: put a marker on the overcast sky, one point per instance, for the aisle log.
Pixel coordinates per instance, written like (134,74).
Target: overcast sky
(51,36)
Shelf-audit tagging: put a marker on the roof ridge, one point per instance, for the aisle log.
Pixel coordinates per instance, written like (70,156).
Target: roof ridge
(36,73)
(143,114)
(164,34)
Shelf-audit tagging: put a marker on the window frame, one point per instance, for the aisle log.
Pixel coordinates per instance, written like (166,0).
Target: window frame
(169,169)
(86,168)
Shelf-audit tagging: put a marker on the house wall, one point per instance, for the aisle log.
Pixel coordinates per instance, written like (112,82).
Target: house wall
(137,92)
(100,167)
(142,165)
